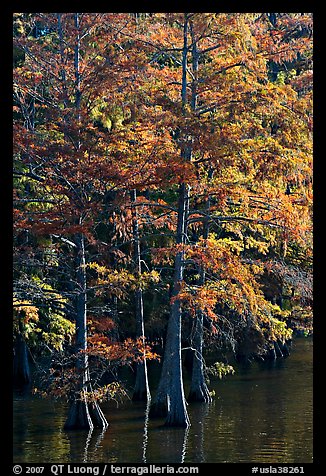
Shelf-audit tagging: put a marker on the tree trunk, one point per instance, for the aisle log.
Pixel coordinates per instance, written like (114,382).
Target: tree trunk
(284,348)
(21,373)
(177,414)
(159,405)
(82,413)
(170,399)
(176,403)
(141,389)
(198,390)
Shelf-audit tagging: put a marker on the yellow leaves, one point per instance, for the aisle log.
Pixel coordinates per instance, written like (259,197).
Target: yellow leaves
(256,269)
(60,331)
(227,243)
(215,253)
(277,330)
(118,282)
(101,270)
(220,370)
(26,309)
(261,246)
(151,276)
(112,391)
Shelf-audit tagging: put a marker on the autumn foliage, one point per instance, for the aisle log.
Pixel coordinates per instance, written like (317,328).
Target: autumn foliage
(109,103)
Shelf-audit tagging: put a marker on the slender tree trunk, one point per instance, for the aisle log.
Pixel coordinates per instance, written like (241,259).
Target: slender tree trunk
(62,58)
(83,414)
(79,415)
(177,414)
(198,389)
(141,389)
(114,298)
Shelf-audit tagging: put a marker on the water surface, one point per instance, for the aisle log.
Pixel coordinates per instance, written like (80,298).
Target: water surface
(261,414)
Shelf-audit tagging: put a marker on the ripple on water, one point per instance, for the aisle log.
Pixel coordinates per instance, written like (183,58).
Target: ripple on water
(262,414)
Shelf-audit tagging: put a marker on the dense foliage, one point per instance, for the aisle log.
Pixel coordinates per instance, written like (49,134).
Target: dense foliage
(162,174)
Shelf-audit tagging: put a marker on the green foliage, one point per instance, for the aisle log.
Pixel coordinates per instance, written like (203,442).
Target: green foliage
(44,323)
(220,370)
(278,330)
(119,282)
(105,115)
(59,331)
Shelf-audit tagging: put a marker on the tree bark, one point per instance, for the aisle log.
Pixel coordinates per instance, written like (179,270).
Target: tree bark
(177,414)
(170,400)
(141,389)
(82,413)
(198,390)
(21,373)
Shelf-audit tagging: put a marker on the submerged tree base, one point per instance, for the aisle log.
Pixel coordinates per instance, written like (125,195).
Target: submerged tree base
(141,391)
(200,394)
(158,409)
(21,379)
(140,396)
(177,419)
(171,422)
(85,416)
(21,372)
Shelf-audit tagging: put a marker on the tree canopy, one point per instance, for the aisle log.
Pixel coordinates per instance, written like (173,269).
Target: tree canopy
(162,190)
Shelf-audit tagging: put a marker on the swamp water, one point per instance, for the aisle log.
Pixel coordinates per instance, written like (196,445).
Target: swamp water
(263,413)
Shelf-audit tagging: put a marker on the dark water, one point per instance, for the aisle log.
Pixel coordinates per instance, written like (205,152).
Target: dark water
(261,414)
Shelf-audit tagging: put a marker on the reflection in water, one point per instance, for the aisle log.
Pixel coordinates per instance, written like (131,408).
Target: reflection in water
(184,446)
(198,430)
(165,441)
(167,445)
(261,414)
(145,436)
(90,442)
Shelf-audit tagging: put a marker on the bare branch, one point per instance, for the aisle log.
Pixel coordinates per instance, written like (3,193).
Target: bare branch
(29,175)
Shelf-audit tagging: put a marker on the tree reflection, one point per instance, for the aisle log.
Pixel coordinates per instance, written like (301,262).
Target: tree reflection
(85,445)
(184,446)
(199,413)
(145,434)
(88,440)
(165,445)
